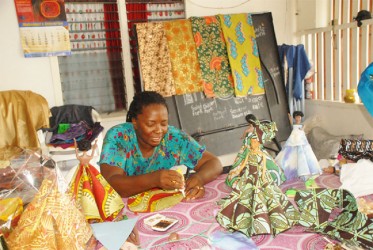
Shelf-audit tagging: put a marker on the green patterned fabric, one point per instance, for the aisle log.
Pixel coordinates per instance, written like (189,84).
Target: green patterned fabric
(350,226)
(256,204)
(212,56)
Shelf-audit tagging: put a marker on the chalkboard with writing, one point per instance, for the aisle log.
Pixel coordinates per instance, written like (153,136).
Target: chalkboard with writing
(220,123)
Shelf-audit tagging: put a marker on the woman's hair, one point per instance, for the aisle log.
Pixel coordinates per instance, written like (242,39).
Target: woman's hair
(298,113)
(141,100)
(250,118)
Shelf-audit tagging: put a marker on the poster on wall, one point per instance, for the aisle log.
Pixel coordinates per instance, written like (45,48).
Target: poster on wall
(43,27)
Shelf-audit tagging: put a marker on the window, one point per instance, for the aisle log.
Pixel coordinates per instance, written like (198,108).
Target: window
(93,74)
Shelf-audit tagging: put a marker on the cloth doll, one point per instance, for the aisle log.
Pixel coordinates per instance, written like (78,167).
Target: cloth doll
(256,204)
(296,157)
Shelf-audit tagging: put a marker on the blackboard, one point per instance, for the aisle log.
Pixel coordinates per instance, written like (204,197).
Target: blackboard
(219,123)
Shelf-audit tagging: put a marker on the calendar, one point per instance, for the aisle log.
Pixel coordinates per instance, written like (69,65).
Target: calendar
(45,41)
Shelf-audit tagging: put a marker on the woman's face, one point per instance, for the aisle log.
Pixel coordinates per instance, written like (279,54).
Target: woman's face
(151,125)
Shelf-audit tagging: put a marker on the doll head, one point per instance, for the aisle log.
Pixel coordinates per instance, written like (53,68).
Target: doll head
(297,115)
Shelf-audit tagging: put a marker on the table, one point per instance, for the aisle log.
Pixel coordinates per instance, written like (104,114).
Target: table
(197,222)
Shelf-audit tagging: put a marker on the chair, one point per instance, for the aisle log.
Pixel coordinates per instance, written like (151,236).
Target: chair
(65,157)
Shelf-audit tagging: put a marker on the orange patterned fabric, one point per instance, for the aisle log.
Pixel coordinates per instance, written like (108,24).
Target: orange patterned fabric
(154,200)
(155,58)
(183,55)
(94,195)
(50,221)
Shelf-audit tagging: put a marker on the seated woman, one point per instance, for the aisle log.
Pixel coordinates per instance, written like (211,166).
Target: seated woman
(256,204)
(296,157)
(138,155)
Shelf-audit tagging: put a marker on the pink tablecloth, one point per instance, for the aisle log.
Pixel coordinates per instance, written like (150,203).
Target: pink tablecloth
(197,222)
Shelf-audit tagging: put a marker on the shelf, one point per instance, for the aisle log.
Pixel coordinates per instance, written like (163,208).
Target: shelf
(97,21)
(153,2)
(93,12)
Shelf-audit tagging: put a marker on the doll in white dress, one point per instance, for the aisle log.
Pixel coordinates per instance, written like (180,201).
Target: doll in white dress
(297,158)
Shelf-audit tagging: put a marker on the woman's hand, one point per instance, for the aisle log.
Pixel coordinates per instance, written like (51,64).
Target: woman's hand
(170,179)
(194,188)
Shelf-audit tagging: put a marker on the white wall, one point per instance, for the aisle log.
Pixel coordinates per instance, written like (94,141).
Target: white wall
(341,118)
(17,72)
(283,12)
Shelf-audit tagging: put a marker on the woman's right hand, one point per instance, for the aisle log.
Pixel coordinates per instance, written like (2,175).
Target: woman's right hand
(170,179)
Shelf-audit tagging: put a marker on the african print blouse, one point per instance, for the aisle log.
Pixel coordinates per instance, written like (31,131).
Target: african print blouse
(121,149)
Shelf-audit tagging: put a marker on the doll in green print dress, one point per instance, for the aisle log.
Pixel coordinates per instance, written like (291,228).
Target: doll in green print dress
(256,204)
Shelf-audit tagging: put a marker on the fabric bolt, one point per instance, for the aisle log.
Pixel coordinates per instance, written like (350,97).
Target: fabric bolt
(183,55)
(243,54)
(297,158)
(350,226)
(212,56)
(256,204)
(50,221)
(121,149)
(356,149)
(94,195)
(154,56)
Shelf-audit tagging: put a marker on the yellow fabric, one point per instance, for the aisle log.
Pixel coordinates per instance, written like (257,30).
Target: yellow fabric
(94,195)
(243,54)
(22,113)
(51,221)
(154,200)
(155,58)
(10,208)
(183,55)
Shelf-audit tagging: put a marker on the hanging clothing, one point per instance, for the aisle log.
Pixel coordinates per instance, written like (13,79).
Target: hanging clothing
(243,54)
(22,114)
(155,58)
(212,56)
(296,58)
(183,55)
(297,158)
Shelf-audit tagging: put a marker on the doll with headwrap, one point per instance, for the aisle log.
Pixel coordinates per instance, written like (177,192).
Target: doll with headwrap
(256,204)
(297,158)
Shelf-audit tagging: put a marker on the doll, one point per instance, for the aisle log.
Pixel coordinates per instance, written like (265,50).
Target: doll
(296,157)
(256,204)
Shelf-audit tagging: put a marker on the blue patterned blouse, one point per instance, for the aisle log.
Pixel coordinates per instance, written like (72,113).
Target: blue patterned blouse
(120,148)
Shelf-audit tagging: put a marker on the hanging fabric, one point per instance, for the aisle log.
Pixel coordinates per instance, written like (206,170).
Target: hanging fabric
(243,54)
(212,56)
(295,67)
(155,59)
(185,67)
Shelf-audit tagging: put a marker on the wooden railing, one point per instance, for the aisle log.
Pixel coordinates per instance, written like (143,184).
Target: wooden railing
(340,54)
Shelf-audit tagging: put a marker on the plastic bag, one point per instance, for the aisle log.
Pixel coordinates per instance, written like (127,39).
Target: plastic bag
(365,88)
(35,213)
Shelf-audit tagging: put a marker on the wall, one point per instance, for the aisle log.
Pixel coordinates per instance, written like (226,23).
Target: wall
(17,72)
(283,12)
(341,118)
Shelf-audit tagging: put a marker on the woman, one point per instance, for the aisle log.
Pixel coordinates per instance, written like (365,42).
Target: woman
(138,155)
(297,158)
(256,204)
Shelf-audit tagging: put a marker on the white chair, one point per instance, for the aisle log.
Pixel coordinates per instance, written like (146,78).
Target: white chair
(65,158)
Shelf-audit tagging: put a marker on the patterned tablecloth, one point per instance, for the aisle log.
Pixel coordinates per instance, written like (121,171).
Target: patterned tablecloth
(196,222)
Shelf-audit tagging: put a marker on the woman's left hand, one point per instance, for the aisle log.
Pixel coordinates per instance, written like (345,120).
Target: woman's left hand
(194,188)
